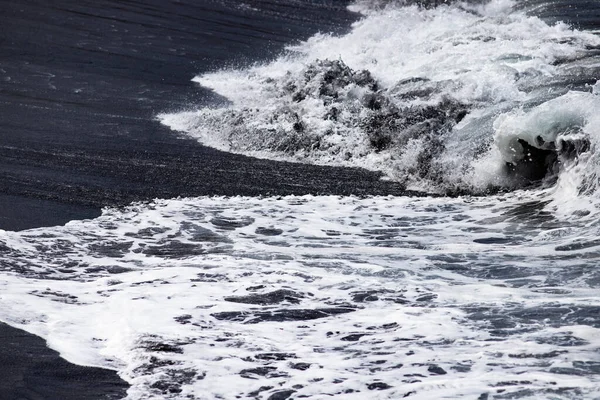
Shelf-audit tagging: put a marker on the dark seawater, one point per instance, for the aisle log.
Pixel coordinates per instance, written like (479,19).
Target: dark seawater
(305,199)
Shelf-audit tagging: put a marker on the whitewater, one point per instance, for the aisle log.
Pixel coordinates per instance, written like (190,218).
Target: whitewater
(482,284)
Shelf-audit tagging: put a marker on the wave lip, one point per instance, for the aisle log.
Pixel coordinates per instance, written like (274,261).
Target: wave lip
(546,127)
(555,136)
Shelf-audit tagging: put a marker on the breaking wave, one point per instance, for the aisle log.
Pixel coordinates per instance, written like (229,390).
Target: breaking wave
(457,98)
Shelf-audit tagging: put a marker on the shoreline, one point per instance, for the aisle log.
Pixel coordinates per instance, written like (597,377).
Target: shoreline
(80,85)
(78,130)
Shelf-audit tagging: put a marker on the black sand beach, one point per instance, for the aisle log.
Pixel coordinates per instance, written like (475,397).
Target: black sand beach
(80,84)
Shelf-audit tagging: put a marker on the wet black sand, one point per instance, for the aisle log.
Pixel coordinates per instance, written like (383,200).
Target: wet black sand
(30,370)
(80,83)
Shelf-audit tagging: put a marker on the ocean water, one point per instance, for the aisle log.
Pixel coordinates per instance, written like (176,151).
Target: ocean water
(480,284)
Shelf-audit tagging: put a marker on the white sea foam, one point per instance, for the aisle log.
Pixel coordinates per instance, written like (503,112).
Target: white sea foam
(441,298)
(486,59)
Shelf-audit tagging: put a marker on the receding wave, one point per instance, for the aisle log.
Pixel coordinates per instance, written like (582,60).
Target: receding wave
(379,298)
